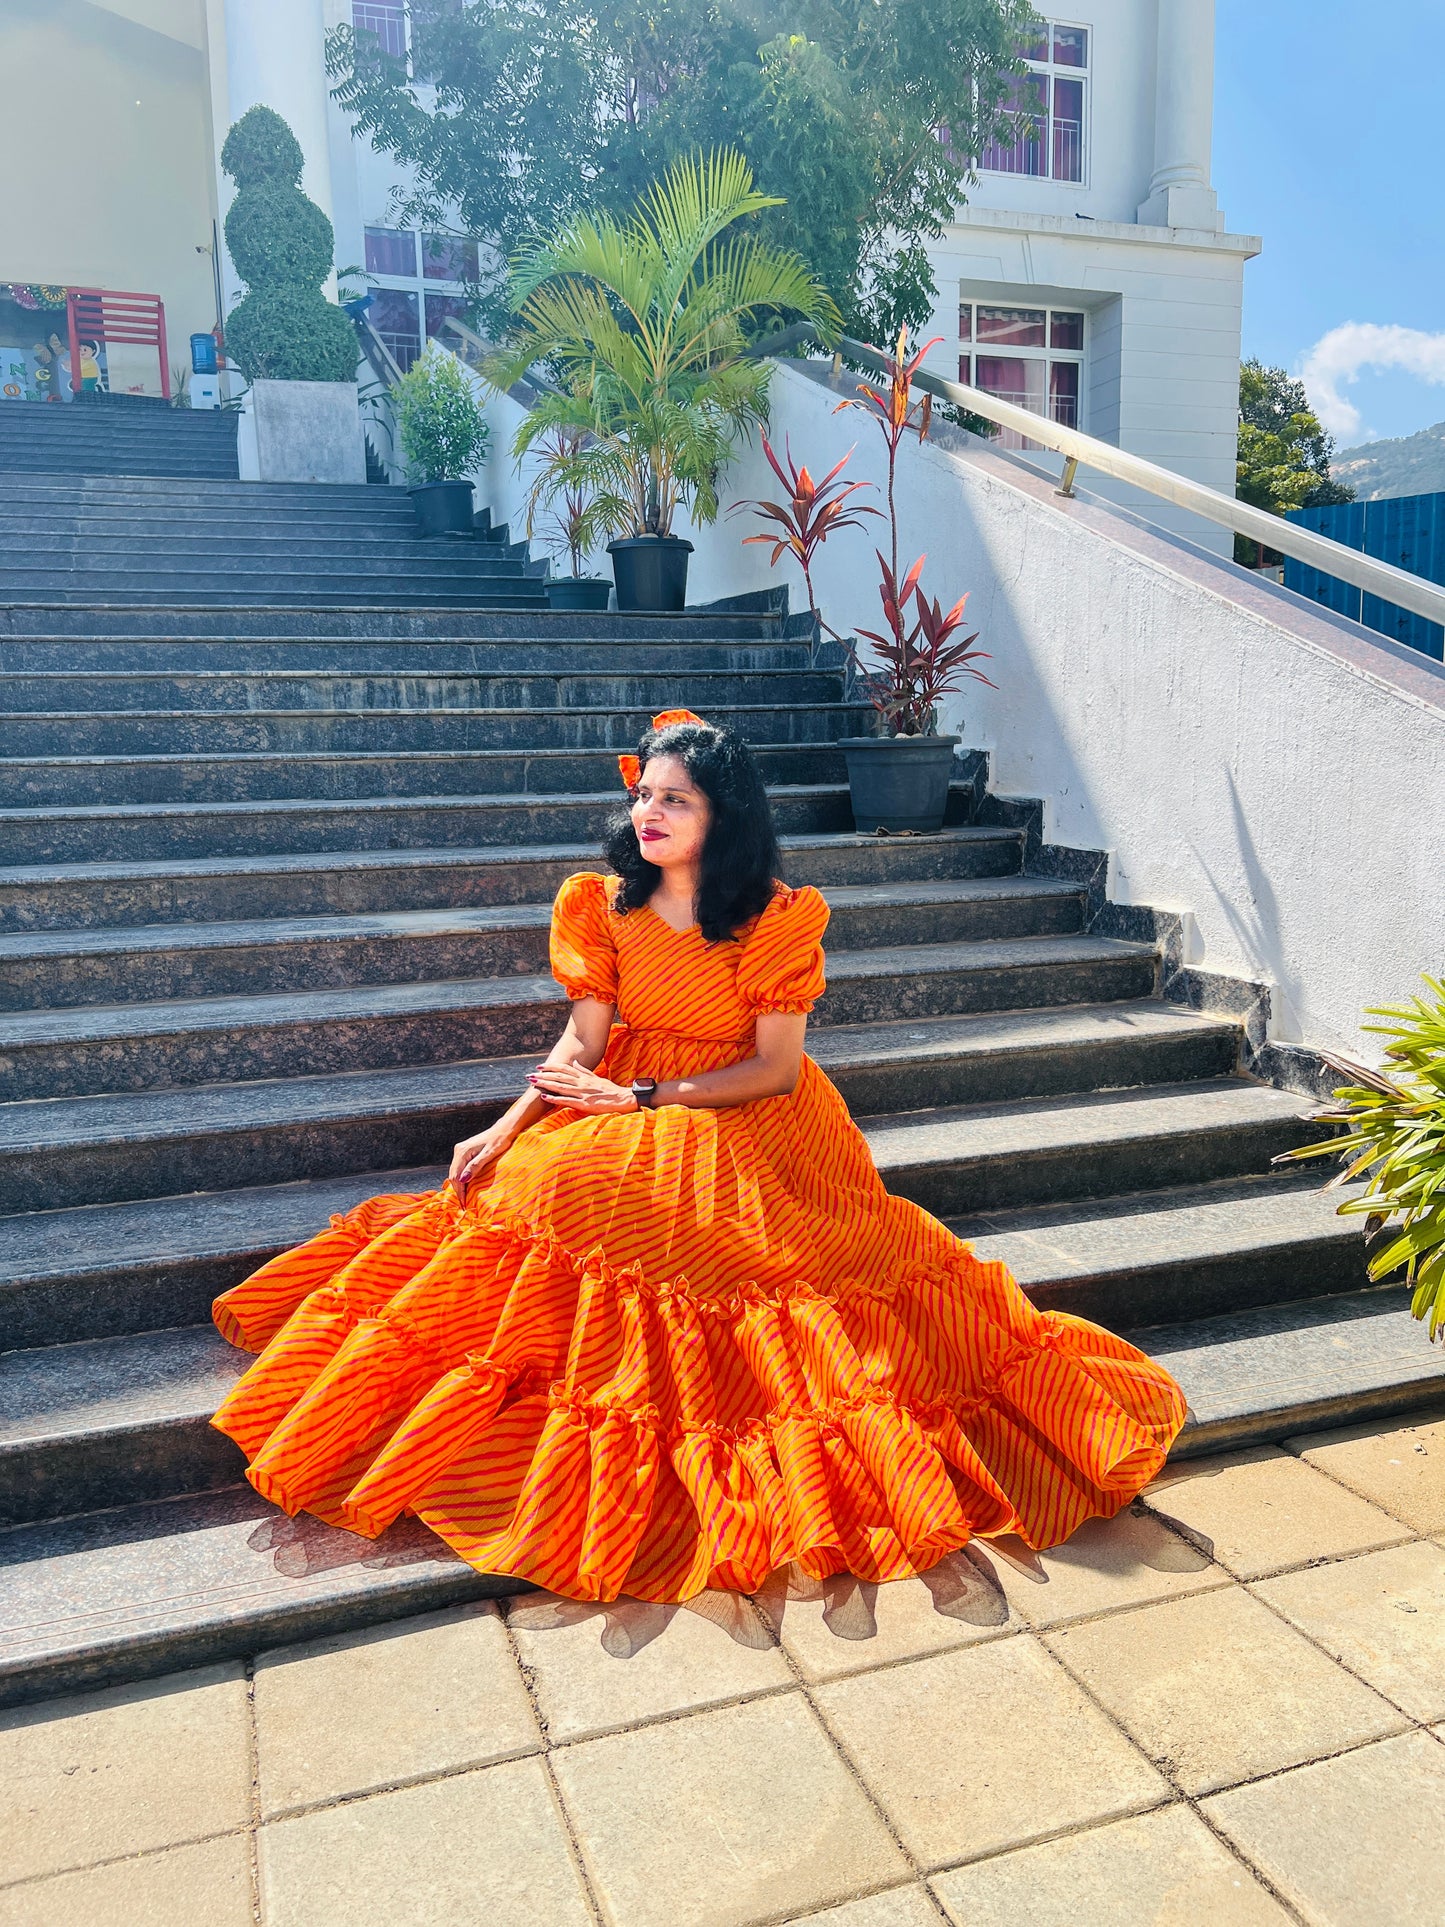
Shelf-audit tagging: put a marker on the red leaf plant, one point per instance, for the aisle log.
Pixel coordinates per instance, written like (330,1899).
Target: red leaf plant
(895,412)
(812,512)
(918,665)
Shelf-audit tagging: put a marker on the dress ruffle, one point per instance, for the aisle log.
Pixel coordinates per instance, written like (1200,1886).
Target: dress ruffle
(576,1425)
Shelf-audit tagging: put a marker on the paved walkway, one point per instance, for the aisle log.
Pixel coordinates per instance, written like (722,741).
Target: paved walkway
(1227,1706)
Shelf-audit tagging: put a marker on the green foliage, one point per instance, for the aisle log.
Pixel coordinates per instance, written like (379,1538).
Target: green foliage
(277,236)
(1284,454)
(290,334)
(442,431)
(563,512)
(541,113)
(645,320)
(281,243)
(261,148)
(1395,1140)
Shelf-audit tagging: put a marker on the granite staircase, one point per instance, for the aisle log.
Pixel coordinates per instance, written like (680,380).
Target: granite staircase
(117,435)
(273,934)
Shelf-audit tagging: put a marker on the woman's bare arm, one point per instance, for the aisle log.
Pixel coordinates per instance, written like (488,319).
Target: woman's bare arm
(771,1071)
(580,1047)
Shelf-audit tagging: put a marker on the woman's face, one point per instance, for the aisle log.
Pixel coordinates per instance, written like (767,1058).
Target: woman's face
(670,814)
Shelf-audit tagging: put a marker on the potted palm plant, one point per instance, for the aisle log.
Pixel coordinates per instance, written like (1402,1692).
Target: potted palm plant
(899,780)
(443,433)
(644,322)
(564,515)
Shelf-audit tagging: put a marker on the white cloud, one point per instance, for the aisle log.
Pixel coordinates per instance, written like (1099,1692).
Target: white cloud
(1339,357)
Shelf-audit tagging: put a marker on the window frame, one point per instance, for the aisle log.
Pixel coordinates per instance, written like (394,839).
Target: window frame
(1050,71)
(969,348)
(419,284)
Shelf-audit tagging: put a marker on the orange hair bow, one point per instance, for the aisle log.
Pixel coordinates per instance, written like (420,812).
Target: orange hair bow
(630,766)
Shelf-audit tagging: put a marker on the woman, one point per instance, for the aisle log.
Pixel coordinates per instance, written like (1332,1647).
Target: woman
(663,1328)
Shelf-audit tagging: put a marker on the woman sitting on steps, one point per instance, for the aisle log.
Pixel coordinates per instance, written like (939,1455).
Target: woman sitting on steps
(664,1329)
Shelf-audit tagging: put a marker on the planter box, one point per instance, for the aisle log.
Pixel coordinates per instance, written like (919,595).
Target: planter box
(303,431)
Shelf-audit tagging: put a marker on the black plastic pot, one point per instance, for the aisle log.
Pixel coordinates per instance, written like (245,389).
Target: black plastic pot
(650,571)
(443,508)
(899,782)
(578,592)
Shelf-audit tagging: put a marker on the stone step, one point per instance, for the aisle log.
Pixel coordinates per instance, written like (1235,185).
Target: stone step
(72,734)
(92,549)
(162,493)
(114,1048)
(98,627)
(1274,1370)
(69,968)
(149,1143)
(248,776)
(218,466)
(342,566)
(561,653)
(115,1420)
(105,895)
(141,1590)
(156,831)
(138,1591)
(422,592)
(541,686)
(1196,1250)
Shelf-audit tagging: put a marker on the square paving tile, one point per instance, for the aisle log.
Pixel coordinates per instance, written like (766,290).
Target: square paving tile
(421,1696)
(727,1817)
(177,1887)
(985,1748)
(851,1626)
(1125,1561)
(488,1846)
(899,1907)
(1263,1509)
(1351,1842)
(120,1771)
(598,1669)
(1162,1869)
(1217,1690)
(1401,1467)
(1383,1615)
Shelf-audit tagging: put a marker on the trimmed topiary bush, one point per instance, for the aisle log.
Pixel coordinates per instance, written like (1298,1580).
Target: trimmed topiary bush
(442,430)
(281,243)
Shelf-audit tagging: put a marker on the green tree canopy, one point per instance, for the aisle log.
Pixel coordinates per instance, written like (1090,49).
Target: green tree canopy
(859,118)
(1283,460)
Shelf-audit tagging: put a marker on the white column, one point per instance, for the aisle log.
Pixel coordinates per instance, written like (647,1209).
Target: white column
(1179,192)
(276,57)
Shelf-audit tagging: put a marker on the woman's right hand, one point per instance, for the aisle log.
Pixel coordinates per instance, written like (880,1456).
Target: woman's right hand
(474,1154)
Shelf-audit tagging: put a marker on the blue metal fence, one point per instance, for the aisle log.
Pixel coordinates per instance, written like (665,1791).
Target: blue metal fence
(1408,530)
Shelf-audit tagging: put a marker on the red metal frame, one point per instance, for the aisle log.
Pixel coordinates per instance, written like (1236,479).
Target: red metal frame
(105,315)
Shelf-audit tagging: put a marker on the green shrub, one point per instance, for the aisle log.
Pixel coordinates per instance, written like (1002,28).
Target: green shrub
(282,244)
(443,432)
(261,147)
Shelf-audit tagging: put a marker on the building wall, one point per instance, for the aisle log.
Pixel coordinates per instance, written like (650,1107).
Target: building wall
(105,158)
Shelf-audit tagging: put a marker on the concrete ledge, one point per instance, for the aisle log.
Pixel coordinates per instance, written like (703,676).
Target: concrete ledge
(302,431)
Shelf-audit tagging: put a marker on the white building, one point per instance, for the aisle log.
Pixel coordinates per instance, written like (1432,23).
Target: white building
(1089,276)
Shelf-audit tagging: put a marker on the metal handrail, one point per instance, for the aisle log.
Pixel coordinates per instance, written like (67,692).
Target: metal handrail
(1365,572)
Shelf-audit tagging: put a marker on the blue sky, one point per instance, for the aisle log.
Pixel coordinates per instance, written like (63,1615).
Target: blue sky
(1328,134)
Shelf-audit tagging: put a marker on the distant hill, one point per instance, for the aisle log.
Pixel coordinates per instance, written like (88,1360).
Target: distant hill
(1410,465)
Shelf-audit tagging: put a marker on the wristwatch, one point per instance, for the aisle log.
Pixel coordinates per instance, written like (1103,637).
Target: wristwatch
(644,1089)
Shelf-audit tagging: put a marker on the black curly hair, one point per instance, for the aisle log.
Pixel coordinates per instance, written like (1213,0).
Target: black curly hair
(740,854)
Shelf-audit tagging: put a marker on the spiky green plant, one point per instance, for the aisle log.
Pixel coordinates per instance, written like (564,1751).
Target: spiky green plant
(644,321)
(1395,1141)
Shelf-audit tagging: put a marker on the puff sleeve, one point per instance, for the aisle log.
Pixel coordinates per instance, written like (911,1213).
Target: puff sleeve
(583,953)
(781,968)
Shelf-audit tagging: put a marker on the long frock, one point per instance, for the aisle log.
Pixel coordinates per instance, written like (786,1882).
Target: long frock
(675,1349)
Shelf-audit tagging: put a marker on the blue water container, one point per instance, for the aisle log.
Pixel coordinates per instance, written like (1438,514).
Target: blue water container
(203,354)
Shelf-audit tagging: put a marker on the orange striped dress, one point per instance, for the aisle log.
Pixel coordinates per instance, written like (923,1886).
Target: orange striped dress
(679,1348)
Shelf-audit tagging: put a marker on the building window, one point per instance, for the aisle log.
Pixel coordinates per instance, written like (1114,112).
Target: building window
(386,19)
(1033,357)
(1045,108)
(418,281)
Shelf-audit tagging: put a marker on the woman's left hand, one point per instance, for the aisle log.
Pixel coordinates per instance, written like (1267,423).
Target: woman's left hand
(581,1090)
